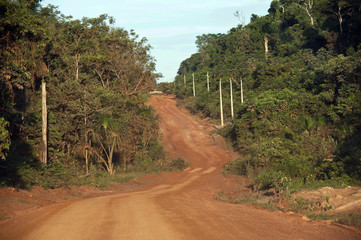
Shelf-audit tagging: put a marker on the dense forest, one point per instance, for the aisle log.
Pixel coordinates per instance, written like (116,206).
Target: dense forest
(97,78)
(299,122)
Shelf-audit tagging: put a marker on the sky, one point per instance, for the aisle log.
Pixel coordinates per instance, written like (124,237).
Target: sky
(171,26)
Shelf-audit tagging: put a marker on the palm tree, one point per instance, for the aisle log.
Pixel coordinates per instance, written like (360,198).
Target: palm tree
(308,124)
(106,140)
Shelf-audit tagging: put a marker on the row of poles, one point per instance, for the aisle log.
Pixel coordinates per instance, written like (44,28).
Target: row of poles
(220,94)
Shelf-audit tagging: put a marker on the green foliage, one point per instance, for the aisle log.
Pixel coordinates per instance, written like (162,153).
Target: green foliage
(178,164)
(299,125)
(96,75)
(53,176)
(238,167)
(5,140)
(61,175)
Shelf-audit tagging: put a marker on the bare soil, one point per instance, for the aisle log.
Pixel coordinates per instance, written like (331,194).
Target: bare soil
(178,205)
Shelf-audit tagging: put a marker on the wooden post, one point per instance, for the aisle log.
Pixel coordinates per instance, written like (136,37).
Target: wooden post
(232,114)
(241,90)
(45,124)
(207,82)
(194,87)
(220,101)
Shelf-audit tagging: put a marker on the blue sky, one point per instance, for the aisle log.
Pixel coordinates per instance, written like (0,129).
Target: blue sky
(171,26)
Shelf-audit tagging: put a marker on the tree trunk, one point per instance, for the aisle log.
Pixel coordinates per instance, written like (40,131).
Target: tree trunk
(184,79)
(77,59)
(241,90)
(220,101)
(207,82)
(194,87)
(266,47)
(340,20)
(309,14)
(232,113)
(44,127)
(86,161)
(86,150)
(307,7)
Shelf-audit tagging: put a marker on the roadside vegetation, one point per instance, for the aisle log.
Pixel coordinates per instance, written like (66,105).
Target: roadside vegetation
(296,76)
(97,79)
(300,123)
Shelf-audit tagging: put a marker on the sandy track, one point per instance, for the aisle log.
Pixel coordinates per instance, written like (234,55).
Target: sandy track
(176,205)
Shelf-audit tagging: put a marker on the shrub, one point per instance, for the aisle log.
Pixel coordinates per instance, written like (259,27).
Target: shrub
(238,167)
(273,179)
(4,138)
(178,164)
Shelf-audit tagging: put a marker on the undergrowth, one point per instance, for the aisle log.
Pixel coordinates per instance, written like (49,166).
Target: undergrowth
(350,218)
(58,174)
(320,210)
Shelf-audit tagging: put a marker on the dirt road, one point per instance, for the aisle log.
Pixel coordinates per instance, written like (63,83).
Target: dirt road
(176,205)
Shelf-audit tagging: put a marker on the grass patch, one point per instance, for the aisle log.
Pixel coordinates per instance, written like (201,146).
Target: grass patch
(246,198)
(320,216)
(350,219)
(302,205)
(298,184)
(2,218)
(58,174)
(22,201)
(101,179)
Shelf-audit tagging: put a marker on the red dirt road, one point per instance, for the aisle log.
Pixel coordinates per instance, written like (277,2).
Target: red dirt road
(177,205)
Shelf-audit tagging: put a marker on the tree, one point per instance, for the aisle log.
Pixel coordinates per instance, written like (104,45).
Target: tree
(342,17)
(306,5)
(107,141)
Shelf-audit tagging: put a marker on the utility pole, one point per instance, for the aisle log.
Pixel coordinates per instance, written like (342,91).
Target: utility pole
(220,101)
(232,113)
(207,82)
(241,90)
(194,87)
(45,124)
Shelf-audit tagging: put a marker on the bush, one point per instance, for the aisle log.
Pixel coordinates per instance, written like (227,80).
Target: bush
(273,179)
(238,167)
(178,164)
(187,103)
(4,138)
(54,175)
